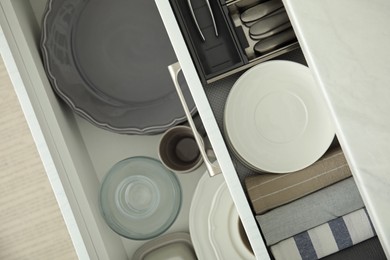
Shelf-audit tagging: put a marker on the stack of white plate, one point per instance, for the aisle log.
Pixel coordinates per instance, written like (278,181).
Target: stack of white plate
(276,119)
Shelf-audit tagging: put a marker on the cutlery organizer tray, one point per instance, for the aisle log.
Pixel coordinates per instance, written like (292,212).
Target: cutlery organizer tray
(215,54)
(226,47)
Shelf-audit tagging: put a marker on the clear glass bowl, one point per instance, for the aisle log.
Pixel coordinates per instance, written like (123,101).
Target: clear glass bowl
(140,198)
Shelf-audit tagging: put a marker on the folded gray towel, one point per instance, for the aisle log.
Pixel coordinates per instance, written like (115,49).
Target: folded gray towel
(312,210)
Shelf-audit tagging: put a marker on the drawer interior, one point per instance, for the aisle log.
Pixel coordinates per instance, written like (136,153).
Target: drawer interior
(82,153)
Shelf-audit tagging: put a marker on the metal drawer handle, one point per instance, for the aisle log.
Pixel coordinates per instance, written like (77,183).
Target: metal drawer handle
(212,168)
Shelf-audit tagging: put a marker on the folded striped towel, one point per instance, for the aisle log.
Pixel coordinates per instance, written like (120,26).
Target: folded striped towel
(310,211)
(268,191)
(326,239)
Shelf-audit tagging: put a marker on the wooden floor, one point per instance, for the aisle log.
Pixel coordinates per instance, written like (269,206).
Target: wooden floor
(31,224)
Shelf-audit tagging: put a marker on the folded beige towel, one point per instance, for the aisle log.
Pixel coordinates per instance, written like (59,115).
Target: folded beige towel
(268,191)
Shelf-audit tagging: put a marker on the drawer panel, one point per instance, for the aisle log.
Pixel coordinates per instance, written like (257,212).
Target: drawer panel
(212,128)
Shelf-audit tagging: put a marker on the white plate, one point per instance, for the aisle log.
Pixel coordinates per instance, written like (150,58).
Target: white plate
(214,222)
(276,119)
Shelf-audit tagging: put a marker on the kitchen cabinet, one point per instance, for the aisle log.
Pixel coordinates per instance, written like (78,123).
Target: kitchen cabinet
(76,154)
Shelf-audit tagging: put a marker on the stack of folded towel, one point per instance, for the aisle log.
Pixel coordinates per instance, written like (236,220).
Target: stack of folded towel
(311,213)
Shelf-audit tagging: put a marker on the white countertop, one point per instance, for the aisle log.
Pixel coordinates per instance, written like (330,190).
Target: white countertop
(347,45)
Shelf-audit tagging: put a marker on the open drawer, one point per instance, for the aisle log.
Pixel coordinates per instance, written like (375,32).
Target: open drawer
(76,154)
(210,90)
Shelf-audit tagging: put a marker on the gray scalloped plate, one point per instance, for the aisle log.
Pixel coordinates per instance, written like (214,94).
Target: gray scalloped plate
(108,61)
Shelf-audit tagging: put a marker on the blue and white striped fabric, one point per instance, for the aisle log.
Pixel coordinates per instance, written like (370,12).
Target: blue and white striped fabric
(326,239)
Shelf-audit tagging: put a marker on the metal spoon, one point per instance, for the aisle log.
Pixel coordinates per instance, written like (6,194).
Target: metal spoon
(261,10)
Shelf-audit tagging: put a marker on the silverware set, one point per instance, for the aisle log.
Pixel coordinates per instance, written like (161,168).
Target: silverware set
(261,10)
(268,24)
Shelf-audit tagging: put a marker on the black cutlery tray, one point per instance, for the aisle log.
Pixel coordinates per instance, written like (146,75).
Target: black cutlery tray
(217,54)
(232,50)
